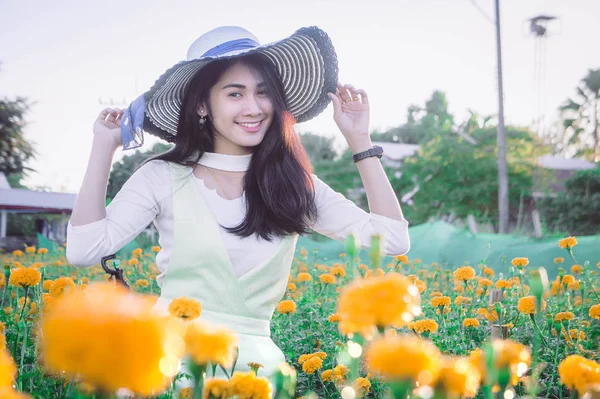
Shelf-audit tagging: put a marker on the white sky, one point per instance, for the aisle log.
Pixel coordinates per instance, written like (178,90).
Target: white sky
(64,55)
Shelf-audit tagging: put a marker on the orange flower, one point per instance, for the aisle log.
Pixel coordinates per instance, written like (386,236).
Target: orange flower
(567,243)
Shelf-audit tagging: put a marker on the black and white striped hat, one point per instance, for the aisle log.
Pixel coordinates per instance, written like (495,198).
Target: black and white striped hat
(305,61)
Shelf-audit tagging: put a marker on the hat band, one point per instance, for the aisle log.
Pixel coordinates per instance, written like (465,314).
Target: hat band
(232,45)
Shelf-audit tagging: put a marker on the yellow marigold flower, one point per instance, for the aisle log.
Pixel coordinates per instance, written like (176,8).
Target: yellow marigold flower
(334,318)
(362,386)
(17,253)
(30,250)
(137,252)
(459,377)
(440,301)
(564,316)
(73,340)
(133,262)
(507,353)
(491,317)
(327,278)
(469,322)
(338,271)
(567,243)
(303,277)
(312,364)
(255,366)
(8,369)
(559,260)
(185,308)
(24,277)
(155,248)
(488,271)
(436,294)
(484,282)
(574,286)
(206,343)
(567,279)
(61,286)
(577,372)
(286,306)
(365,304)
(464,273)
(503,284)
(520,262)
(585,323)
(42,251)
(421,359)
(47,284)
(216,388)
(291,287)
(425,325)
(7,310)
(420,286)
(459,300)
(186,393)
(248,386)
(142,283)
(595,312)
(417,261)
(576,334)
(327,375)
(576,269)
(401,259)
(340,371)
(527,305)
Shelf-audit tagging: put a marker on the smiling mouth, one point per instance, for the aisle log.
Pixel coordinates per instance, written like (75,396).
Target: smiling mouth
(249,125)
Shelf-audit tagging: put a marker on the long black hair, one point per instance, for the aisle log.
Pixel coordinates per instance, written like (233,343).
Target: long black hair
(278,185)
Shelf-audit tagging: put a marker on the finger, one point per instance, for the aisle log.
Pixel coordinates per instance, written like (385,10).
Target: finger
(353,92)
(363,96)
(343,92)
(337,103)
(104,113)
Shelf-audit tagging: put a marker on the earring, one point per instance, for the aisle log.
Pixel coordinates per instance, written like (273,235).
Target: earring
(201,122)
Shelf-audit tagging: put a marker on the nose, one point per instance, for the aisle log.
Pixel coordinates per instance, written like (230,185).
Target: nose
(252,106)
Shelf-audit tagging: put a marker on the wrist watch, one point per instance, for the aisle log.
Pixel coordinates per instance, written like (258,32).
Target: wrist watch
(376,151)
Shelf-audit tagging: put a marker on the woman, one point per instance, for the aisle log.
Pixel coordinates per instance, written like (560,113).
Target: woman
(232,196)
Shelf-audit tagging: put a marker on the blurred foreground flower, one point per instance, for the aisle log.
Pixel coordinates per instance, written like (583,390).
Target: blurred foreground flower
(377,302)
(111,338)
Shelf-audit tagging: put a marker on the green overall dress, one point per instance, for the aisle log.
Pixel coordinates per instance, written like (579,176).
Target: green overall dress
(200,268)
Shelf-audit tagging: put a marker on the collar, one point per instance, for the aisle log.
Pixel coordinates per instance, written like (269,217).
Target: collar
(232,163)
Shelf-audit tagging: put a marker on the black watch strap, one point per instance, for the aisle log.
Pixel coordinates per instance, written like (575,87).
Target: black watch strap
(376,151)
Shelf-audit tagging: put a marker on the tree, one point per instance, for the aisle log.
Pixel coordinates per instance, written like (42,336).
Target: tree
(581,119)
(122,170)
(455,176)
(423,123)
(319,148)
(15,150)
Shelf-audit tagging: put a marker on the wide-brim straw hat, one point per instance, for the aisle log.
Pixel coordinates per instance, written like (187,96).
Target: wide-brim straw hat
(306,63)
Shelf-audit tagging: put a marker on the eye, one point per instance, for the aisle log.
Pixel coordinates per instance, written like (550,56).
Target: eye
(234,94)
(263,93)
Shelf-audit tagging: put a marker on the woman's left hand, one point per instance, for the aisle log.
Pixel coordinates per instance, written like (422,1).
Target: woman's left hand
(351,112)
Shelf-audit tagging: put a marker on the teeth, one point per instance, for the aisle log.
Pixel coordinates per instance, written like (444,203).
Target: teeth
(249,124)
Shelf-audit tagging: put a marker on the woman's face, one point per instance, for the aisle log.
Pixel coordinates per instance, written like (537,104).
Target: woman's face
(241,111)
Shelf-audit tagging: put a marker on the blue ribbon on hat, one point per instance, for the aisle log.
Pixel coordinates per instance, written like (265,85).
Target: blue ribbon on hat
(132,132)
(232,45)
(132,121)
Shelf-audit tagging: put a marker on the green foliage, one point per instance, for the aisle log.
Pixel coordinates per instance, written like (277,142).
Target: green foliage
(15,150)
(577,210)
(454,175)
(123,169)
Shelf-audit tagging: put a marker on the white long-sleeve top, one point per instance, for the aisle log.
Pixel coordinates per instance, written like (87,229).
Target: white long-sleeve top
(146,198)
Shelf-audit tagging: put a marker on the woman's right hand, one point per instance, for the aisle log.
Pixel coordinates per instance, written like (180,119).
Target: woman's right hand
(108,126)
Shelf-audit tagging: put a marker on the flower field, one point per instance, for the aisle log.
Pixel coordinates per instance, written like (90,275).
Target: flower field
(351,328)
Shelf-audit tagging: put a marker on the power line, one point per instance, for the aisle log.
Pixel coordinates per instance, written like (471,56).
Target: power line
(482,12)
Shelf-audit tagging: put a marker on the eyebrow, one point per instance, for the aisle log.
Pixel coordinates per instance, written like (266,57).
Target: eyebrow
(240,86)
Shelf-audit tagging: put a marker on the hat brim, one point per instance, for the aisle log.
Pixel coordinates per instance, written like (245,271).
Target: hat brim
(305,61)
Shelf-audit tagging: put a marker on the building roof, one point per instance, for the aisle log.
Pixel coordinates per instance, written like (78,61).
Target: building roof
(558,163)
(23,200)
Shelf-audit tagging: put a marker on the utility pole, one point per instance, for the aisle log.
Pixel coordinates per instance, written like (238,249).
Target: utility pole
(501,138)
